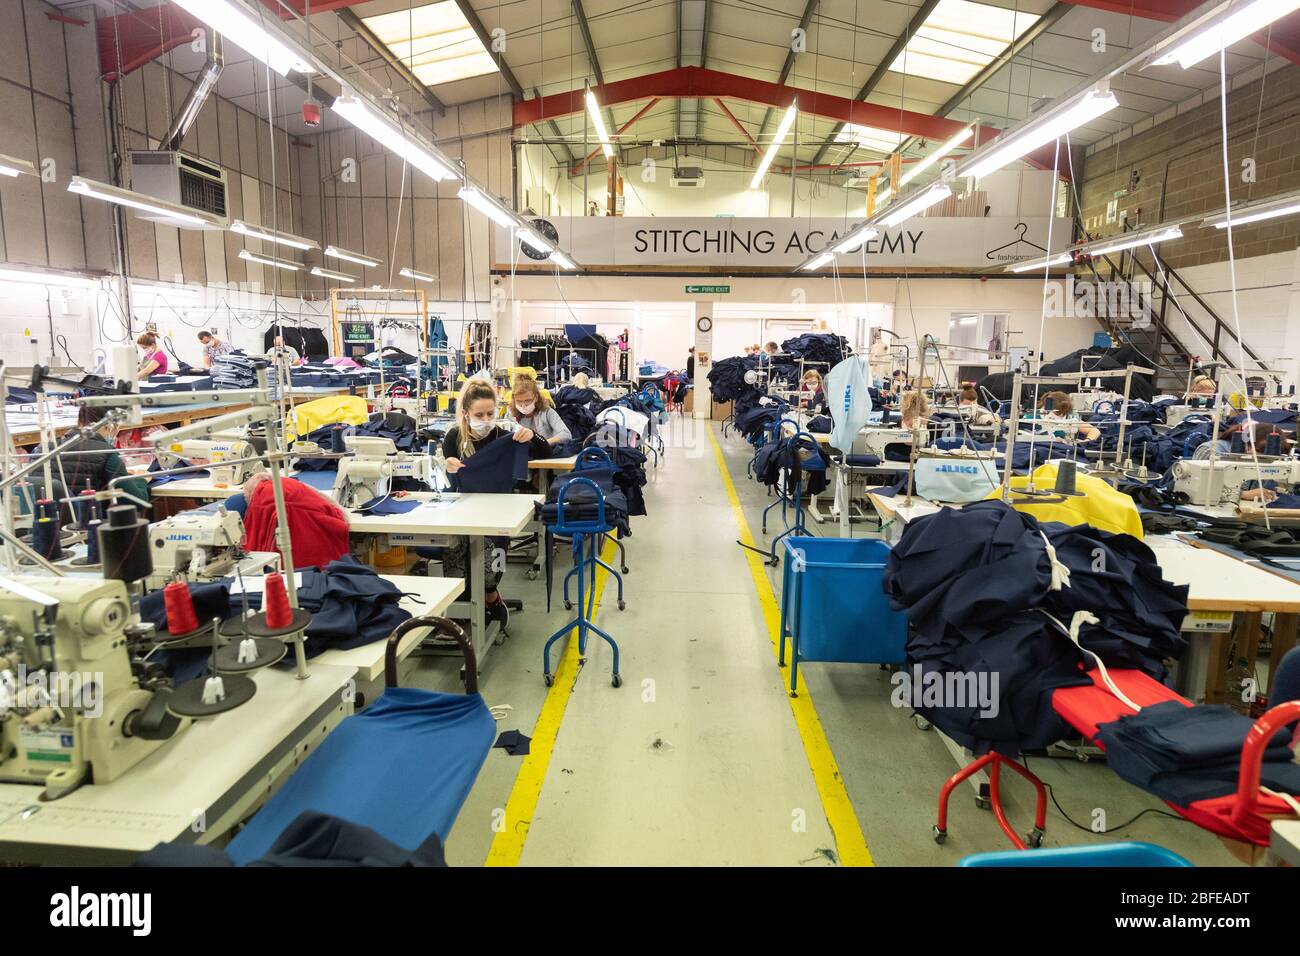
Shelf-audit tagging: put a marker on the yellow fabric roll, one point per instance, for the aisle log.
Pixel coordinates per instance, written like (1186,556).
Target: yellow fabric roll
(1100,505)
(307,417)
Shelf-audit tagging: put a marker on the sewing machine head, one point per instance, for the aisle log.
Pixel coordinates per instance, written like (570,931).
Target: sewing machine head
(374,463)
(873,440)
(71,709)
(200,546)
(221,456)
(1216,482)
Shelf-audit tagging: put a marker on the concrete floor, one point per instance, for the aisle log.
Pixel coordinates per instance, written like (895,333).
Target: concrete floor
(697,759)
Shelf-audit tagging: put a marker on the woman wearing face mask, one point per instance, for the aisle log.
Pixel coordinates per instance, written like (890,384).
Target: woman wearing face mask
(530,409)
(476,426)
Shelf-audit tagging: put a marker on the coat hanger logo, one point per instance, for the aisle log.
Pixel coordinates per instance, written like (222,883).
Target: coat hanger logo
(1003,253)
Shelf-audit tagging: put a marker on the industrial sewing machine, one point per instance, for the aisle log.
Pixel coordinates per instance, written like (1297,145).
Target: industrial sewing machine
(222,457)
(375,462)
(1214,482)
(199,546)
(873,440)
(71,709)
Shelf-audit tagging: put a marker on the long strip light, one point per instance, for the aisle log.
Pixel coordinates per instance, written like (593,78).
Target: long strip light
(38,277)
(331,274)
(366,118)
(420,276)
(563,261)
(336,253)
(12,166)
(272,235)
(125,197)
(1031,265)
(1015,143)
(786,122)
(812,265)
(949,145)
(1132,240)
(901,212)
(535,242)
(270,261)
(488,206)
(1222,28)
(855,238)
(234,22)
(602,134)
(1284,205)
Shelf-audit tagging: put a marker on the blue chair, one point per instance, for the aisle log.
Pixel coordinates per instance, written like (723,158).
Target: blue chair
(1286,682)
(1129,854)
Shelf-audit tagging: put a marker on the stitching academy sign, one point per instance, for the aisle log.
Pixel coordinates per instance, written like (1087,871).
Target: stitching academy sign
(778,243)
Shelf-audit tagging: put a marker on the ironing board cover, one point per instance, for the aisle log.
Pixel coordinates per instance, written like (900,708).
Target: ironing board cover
(402,767)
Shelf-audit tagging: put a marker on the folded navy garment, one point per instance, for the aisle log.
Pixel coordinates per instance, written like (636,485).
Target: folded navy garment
(494,468)
(1284,501)
(387,505)
(180,463)
(210,600)
(1184,754)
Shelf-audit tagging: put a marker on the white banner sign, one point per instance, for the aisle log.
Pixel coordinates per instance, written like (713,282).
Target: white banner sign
(935,242)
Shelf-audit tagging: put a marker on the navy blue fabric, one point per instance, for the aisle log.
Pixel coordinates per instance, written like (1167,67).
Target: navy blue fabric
(580,502)
(237,503)
(820,347)
(180,463)
(493,468)
(210,600)
(786,455)
(387,505)
(939,573)
(820,424)
(727,378)
(1284,501)
(1184,754)
(1286,683)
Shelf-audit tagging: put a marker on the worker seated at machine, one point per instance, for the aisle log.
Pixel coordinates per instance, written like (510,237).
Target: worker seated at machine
(1055,411)
(969,407)
(477,427)
(1202,391)
(318,528)
(812,394)
(96,462)
(532,410)
(1236,476)
(914,408)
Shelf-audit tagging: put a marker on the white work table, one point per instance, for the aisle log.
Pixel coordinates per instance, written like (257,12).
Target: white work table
(194,788)
(1285,841)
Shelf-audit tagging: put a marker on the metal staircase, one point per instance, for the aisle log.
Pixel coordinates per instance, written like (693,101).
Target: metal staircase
(1142,305)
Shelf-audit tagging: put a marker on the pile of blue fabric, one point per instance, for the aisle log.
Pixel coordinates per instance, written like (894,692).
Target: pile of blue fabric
(965,632)
(233,370)
(754,420)
(799,458)
(580,501)
(818,347)
(577,409)
(1141,443)
(568,366)
(1183,754)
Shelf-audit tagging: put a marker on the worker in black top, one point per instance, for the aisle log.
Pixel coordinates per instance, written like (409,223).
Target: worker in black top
(690,364)
(477,425)
(95,462)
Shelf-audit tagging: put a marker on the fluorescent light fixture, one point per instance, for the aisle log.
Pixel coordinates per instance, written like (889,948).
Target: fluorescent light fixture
(331,274)
(12,166)
(166,291)
(1284,205)
(271,235)
(959,39)
(855,238)
(337,253)
(421,276)
(1222,28)
(870,137)
(1131,240)
(916,169)
(812,265)
(602,134)
(786,122)
(270,261)
(902,211)
(1045,128)
(173,212)
(435,40)
(249,32)
(378,127)
(563,261)
(1030,265)
(488,206)
(37,277)
(535,242)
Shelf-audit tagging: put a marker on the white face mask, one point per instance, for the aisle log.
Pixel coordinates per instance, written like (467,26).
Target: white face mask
(480,428)
(526,408)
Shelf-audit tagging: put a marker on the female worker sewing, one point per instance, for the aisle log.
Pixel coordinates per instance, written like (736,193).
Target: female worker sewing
(476,430)
(1269,443)
(812,394)
(531,409)
(1055,411)
(914,408)
(969,408)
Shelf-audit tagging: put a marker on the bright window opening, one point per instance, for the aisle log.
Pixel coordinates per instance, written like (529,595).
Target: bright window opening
(959,39)
(435,41)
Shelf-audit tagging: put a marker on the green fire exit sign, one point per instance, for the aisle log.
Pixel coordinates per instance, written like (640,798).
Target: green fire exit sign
(708,289)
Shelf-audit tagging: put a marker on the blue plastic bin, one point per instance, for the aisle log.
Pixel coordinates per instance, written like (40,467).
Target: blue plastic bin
(1099,854)
(832,607)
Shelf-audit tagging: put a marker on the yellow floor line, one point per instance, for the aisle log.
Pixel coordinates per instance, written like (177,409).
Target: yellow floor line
(508,845)
(850,843)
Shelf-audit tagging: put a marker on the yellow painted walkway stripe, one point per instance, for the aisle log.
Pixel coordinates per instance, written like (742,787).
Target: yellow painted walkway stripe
(850,843)
(508,845)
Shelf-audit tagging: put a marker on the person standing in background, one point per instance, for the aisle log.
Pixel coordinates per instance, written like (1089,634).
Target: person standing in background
(280,349)
(622,343)
(213,348)
(690,363)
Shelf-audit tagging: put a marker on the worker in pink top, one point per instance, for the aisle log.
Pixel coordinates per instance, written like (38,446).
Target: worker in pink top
(155,359)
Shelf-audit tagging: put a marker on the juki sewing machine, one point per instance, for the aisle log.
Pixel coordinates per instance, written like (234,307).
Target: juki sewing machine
(1214,482)
(223,458)
(196,545)
(71,709)
(873,440)
(375,462)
